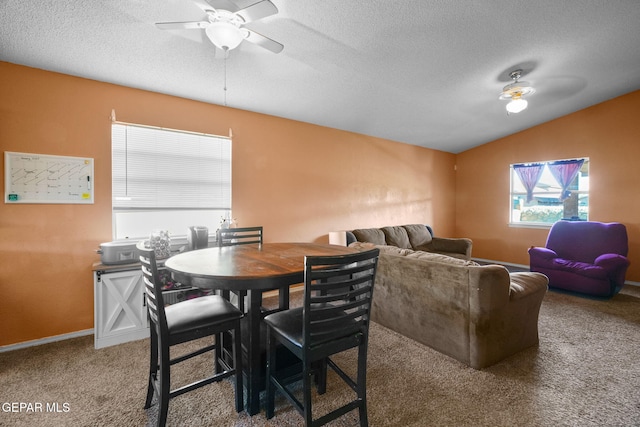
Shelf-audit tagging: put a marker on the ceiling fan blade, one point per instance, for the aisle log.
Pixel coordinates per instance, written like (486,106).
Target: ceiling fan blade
(263,41)
(224,5)
(182,25)
(258,10)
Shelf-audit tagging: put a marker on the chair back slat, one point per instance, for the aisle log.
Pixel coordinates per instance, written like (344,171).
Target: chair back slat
(153,288)
(150,298)
(338,295)
(239,236)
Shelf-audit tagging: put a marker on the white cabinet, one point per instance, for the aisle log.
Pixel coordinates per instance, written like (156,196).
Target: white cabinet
(119,310)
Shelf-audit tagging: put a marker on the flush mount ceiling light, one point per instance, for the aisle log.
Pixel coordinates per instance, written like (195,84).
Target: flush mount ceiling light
(516,92)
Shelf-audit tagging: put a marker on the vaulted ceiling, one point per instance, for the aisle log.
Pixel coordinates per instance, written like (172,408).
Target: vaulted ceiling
(422,72)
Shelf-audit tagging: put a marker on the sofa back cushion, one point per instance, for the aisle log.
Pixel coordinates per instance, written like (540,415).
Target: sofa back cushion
(397,236)
(371,235)
(434,257)
(418,235)
(384,249)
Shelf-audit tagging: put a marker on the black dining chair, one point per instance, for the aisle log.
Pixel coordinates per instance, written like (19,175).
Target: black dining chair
(239,236)
(207,316)
(234,237)
(338,291)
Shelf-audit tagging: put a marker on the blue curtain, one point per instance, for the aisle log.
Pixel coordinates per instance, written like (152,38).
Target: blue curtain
(565,171)
(529,175)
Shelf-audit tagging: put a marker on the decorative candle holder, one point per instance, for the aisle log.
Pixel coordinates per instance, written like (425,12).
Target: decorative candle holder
(161,243)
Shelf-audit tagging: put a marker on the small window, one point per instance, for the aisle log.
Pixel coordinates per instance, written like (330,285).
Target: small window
(548,191)
(168,180)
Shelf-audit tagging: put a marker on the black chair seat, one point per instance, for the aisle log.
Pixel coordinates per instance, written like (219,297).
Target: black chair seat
(335,317)
(289,323)
(199,313)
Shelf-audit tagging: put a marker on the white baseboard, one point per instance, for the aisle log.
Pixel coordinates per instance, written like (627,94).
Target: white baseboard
(46,340)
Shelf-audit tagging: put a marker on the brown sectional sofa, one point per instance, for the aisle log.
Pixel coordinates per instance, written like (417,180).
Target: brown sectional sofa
(418,237)
(476,314)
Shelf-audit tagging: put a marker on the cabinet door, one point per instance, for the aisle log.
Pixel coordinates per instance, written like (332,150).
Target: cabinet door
(120,312)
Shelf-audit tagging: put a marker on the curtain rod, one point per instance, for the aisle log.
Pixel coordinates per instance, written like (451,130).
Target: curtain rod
(114,121)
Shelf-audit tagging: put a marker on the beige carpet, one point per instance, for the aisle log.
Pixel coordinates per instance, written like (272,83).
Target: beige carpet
(585,372)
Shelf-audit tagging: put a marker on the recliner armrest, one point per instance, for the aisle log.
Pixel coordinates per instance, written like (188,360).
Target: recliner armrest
(611,262)
(542,253)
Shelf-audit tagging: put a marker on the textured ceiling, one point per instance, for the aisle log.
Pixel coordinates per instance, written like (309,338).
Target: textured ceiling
(422,72)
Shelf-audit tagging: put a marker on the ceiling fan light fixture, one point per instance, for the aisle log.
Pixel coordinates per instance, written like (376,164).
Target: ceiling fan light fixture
(224,35)
(515,92)
(517,105)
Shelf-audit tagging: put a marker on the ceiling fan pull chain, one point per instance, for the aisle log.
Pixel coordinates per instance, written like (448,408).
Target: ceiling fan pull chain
(226,54)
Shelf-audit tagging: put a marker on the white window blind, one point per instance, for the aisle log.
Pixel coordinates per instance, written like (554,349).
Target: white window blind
(160,177)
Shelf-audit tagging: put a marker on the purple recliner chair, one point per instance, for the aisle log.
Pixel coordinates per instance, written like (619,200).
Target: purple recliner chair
(584,256)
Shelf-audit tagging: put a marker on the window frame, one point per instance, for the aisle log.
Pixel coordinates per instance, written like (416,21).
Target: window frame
(516,193)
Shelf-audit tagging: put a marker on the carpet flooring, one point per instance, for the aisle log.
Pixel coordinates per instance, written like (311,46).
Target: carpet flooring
(585,372)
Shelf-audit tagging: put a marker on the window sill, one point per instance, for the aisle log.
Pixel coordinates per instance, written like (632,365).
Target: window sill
(541,225)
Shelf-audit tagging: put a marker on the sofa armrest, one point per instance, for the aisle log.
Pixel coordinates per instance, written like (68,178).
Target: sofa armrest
(526,283)
(489,289)
(453,245)
(496,286)
(350,237)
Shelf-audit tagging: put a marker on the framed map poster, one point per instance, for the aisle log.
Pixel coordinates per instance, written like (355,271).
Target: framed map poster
(41,178)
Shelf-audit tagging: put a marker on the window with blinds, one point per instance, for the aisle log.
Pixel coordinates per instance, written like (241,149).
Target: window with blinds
(167,179)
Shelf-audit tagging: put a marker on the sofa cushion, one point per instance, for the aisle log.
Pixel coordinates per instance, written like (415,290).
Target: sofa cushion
(410,253)
(372,235)
(384,249)
(362,246)
(581,268)
(418,235)
(394,250)
(397,236)
(430,256)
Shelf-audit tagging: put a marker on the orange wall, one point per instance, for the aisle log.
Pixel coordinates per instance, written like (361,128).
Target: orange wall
(299,181)
(607,133)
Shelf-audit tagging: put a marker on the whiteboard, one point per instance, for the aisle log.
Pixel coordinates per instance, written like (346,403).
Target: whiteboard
(40,178)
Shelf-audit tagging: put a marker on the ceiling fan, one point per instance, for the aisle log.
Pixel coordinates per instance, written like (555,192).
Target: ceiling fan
(515,92)
(225,26)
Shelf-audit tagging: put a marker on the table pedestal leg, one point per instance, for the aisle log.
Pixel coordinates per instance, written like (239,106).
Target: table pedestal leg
(253,368)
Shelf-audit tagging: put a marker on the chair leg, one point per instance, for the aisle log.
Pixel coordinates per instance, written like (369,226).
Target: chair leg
(237,364)
(271,362)
(164,386)
(240,295)
(217,355)
(306,385)
(153,366)
(362,384)
(321,376)
(364,421)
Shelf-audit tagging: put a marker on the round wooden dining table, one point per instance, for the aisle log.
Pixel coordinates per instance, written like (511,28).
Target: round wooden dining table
(250,270)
